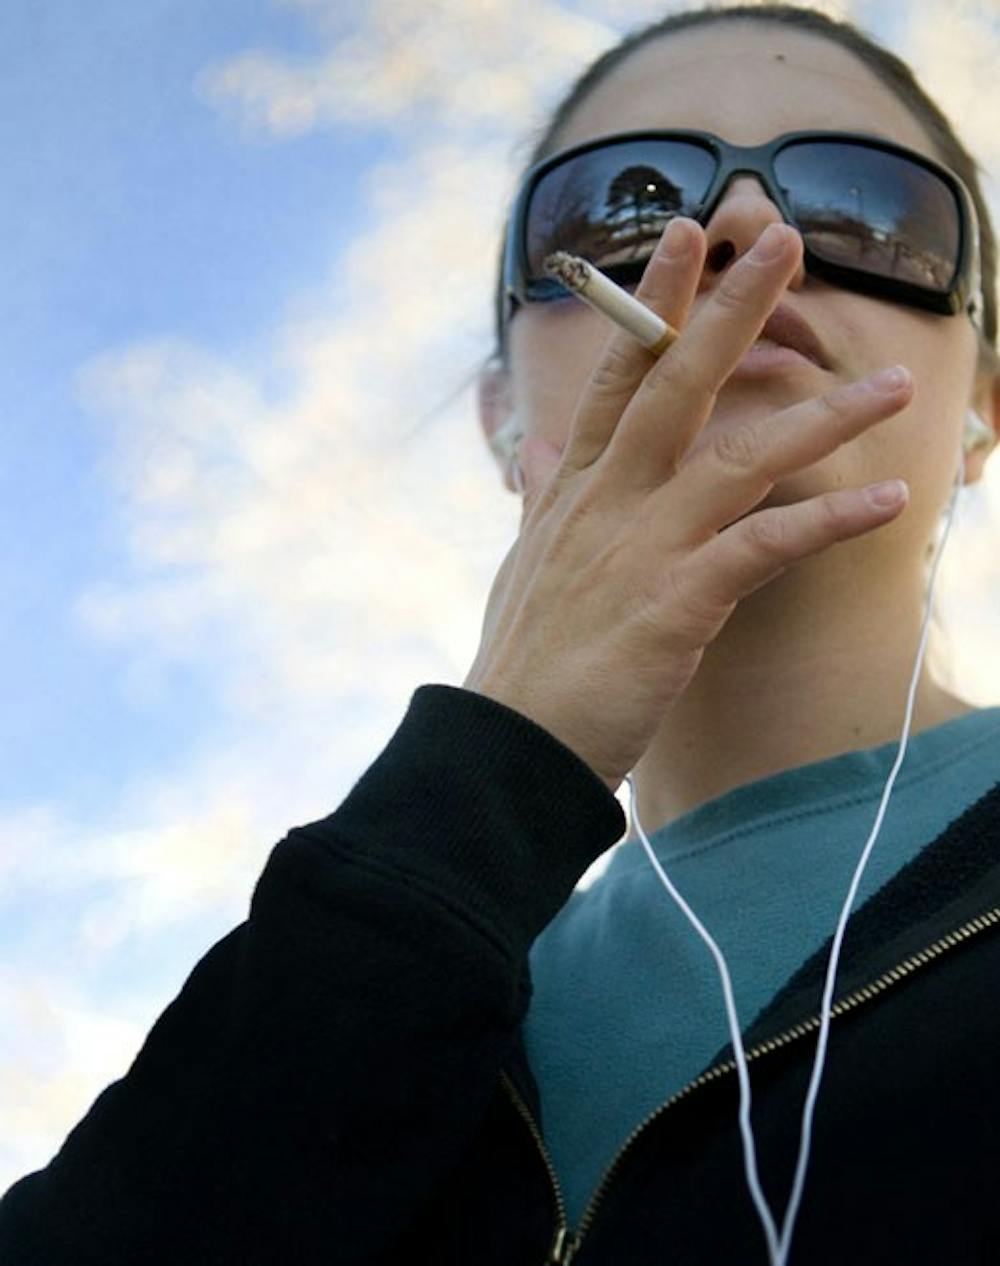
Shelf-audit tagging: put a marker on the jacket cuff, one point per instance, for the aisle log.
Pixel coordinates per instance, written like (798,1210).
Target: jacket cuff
(478,805)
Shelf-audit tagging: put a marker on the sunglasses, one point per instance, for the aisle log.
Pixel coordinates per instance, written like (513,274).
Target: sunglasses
(874,216)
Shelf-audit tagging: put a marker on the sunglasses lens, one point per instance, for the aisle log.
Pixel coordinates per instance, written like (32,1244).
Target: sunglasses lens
(611,205)
(872,211)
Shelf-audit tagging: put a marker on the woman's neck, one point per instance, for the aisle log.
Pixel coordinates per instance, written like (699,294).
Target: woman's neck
(812,665)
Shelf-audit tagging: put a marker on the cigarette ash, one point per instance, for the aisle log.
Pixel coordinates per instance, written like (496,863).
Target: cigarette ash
(569,269)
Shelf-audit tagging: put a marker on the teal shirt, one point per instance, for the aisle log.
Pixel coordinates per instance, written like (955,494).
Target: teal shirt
(627,1005)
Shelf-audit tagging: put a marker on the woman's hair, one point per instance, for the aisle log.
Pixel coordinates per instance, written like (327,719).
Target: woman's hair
(890,69)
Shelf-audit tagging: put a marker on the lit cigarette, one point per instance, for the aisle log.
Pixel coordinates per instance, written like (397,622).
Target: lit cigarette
(616,304)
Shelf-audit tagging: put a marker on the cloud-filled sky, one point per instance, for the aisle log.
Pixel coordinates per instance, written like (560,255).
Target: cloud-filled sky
(245,506)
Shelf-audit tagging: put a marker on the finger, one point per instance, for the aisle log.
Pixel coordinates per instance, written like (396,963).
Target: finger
(676,396)
(705,587)
(728,477)
(668,287)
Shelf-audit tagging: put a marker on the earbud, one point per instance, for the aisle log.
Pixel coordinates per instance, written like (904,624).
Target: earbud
(976,434)
(516,475)
(504,442)
(779,1244)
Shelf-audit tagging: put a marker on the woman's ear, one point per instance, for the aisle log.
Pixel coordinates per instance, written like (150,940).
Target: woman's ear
(497,418)
(986,403)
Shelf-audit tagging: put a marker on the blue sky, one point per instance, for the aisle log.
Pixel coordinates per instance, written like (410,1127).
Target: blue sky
(131,209)
(229,552)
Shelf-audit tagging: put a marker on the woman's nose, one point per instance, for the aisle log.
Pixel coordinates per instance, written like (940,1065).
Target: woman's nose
(743,213)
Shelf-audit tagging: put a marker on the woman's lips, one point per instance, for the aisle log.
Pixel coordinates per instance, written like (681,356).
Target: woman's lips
(766,358)
(791,329)
(786,343)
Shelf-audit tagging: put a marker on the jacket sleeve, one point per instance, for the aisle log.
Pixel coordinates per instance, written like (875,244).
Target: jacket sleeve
(327,1062)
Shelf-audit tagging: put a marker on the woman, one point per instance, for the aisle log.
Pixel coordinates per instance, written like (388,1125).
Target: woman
(703,592)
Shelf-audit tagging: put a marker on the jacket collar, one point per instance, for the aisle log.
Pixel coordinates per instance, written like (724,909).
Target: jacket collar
(952,881)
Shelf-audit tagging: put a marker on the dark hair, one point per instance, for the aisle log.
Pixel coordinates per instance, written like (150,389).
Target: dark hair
(892,71)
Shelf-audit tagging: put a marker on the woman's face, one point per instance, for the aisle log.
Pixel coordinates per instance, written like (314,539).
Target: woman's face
(747,83)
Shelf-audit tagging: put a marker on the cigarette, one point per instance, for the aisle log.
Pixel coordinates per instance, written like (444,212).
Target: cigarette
(612,301)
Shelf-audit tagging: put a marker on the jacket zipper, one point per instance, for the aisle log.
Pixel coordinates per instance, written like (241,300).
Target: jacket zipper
(566,1241)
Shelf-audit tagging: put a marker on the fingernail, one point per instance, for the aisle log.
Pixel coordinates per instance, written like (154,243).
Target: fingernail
(891,379)
(771,243)
(675,239)
(890,493)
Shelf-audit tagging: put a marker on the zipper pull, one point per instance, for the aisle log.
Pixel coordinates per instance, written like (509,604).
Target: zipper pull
(563,1248)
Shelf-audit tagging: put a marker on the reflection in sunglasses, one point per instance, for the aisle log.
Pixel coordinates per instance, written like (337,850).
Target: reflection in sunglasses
(858,208)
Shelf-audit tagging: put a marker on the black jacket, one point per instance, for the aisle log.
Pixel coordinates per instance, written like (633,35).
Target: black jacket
(341,1079)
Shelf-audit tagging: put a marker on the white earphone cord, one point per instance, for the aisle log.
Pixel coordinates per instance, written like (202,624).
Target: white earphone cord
(778,1249)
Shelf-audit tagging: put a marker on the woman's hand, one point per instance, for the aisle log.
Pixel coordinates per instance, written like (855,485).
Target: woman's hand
(629,563)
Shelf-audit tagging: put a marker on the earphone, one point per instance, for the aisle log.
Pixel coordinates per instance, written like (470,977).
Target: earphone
(976,435)
(505,442)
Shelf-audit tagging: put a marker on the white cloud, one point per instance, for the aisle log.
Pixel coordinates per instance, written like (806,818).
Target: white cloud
(954,48)
(246,513)
(442,64)
(57,1052)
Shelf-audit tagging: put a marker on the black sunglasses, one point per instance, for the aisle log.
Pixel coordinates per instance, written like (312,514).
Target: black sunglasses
(874,216)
